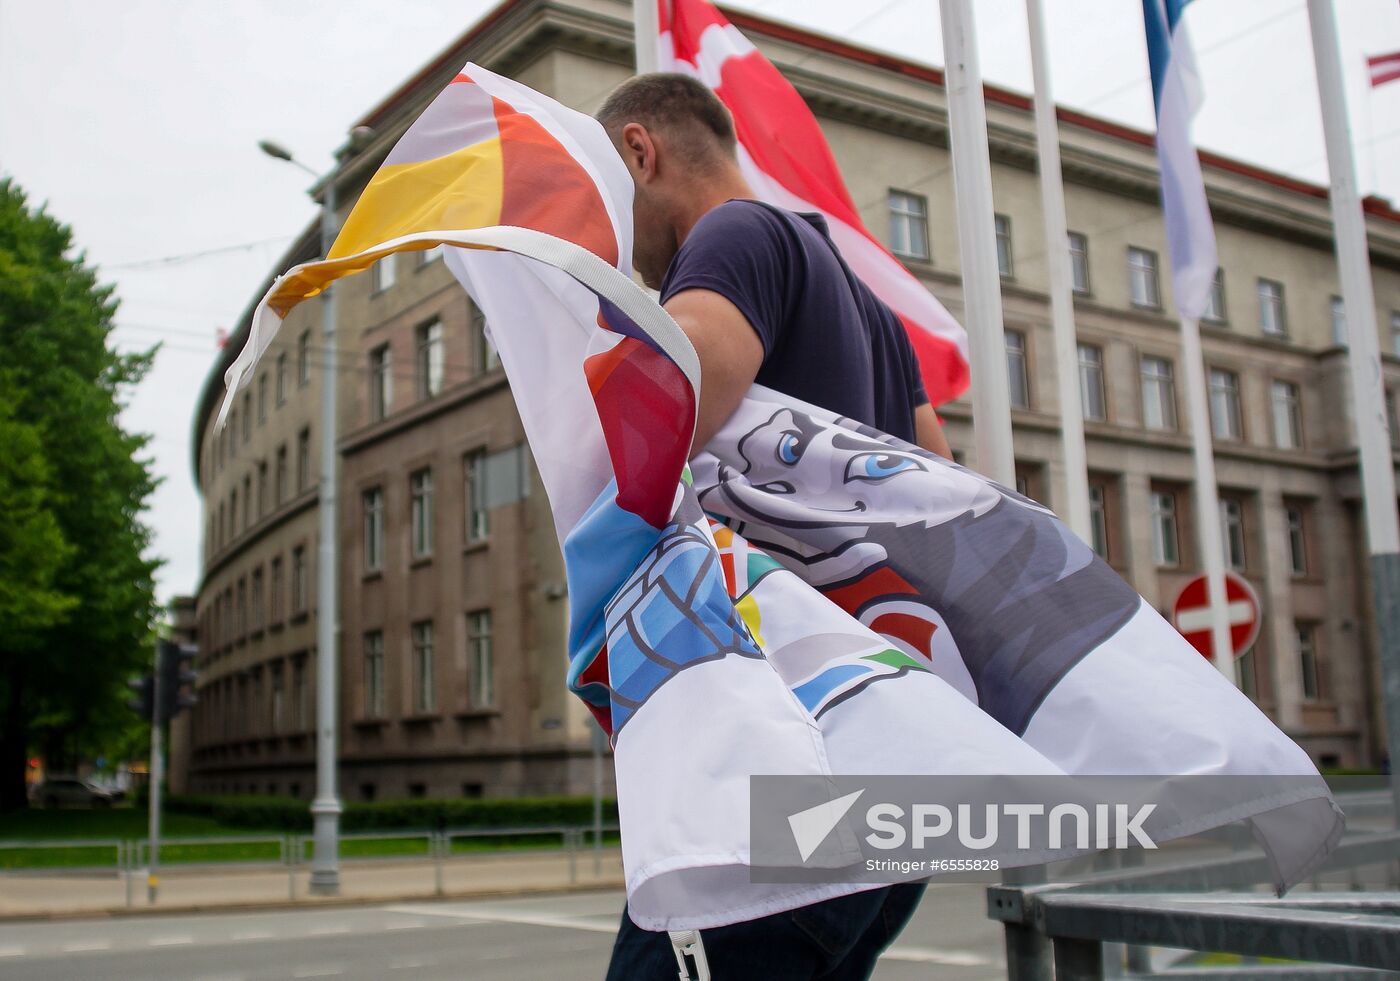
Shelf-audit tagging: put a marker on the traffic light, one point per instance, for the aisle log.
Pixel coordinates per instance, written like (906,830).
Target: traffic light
(176,678)
(143,701)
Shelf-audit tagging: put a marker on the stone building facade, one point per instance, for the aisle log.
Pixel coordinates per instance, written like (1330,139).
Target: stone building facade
(452,620)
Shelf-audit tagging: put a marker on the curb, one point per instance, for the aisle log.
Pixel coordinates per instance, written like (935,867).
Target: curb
(117,912)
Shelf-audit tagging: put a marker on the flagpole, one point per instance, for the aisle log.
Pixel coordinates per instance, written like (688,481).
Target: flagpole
(1207,498)
(1363,360)
(972,191)
(1052,194)
(644,35)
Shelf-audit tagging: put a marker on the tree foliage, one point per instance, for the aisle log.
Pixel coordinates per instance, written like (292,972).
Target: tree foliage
(76,586)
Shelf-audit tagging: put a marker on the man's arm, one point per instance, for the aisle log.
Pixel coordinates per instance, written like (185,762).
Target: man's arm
(928,432)
(730,355)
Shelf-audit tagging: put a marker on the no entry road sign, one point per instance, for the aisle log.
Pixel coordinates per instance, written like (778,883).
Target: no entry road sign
(1191,614)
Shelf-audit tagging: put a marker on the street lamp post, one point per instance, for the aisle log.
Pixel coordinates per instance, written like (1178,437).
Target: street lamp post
(325,809)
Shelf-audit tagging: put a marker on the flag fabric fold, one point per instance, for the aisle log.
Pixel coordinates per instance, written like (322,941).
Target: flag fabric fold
(787,162)
(1177,95)
(807,597)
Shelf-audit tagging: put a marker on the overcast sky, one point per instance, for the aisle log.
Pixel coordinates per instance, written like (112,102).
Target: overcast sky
(138,121)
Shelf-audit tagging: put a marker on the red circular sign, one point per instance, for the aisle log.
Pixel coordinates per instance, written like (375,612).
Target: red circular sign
(1191,614)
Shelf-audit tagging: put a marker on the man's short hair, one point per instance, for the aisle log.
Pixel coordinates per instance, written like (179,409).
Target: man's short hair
(678,105)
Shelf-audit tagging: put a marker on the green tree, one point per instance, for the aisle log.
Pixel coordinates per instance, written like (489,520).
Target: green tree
(76,588)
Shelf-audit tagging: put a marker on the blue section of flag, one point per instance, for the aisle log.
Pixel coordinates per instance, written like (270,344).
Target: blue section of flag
(1176,95)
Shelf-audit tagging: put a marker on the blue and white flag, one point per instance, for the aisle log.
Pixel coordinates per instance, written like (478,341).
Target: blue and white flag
(1176,93)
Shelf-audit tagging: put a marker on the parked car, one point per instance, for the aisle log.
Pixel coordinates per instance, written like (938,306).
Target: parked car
(70,792)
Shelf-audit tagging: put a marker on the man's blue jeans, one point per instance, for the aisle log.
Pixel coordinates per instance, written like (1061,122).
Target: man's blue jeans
(836,940)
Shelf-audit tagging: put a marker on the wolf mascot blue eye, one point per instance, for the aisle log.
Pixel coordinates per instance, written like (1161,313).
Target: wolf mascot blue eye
(790,448)
(879,466)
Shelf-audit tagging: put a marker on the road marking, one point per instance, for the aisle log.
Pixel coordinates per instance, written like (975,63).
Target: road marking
(317,972)
(928,955)
(410,963)
(11,951)
(502,916)
(406,926)
(87,945)
(328,931)
(169,941)
(253,935)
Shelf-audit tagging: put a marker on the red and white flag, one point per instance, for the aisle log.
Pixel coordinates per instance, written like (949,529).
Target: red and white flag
(787,162)
(1384,68)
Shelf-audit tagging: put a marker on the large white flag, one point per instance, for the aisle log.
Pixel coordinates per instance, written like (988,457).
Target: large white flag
(814,597)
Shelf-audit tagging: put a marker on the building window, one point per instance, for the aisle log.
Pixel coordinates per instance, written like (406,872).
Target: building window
(1079,262)
(1158,394)
(429,359)
(383,273)
(259,610)
(304,358)
(262,398)
(1232,533)
(1215,300)
(1307,660)
(282,378)
(381,382)
(1288,416)
(280,478)
(374,674)
(299,713)
(1142,279)
(304,459)
(1003,230)
(1297,542)
(483,680)
(483,351)
(478,516)
(1271,312)
(278,704)
(1338,312)
(1091,391)
(1098,520)
(247,416)
(1225,420)
(262,488)
(374,529)
(242,615)
(420,487)
(1165,551)
(423,696)
(233,510)
(274,591)
(247,501)
(299,596)
(908,225)
(1249,677)
(1017,376)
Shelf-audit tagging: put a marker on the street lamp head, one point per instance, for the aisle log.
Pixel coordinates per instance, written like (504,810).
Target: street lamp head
(274,150)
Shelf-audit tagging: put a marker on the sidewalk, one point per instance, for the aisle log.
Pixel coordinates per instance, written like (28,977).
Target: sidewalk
(187,890)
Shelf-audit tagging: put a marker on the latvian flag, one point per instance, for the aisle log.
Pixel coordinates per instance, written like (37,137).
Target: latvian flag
(1384,68)
(787,162)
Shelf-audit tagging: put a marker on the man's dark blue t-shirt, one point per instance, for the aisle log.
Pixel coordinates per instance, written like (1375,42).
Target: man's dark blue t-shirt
(827,339)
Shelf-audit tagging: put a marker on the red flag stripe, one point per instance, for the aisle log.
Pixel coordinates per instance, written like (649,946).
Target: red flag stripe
(1384,68)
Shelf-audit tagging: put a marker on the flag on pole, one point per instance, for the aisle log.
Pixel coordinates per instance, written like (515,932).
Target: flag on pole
(1384,68)
(809,596)
(1177,95)
(787,162)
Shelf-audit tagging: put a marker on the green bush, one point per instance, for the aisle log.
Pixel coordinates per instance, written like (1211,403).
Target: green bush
(288,814)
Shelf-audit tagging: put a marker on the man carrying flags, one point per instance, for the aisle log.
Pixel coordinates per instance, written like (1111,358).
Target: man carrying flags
(764,296)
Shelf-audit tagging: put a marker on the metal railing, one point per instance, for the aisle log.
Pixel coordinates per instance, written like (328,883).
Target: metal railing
(1072,931)
(291,852)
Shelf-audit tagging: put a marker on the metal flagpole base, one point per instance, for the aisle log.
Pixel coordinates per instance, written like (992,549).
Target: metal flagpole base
(325,854)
